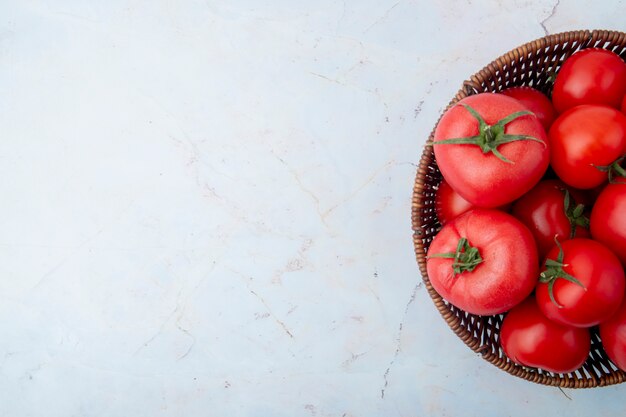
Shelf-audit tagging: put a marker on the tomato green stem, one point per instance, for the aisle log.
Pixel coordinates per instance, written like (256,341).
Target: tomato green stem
(491,136)
(466,257)
(574,213)
(617,168)
(554,270)
(613,169)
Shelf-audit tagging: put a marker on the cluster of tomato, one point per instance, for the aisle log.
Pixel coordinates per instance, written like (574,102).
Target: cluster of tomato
(533,212)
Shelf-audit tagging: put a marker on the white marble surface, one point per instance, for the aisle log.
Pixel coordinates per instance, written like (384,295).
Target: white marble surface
(205,207)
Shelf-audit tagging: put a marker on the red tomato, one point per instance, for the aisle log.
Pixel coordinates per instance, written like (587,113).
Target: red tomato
(608,219)
(483,262)
(584,142)
(531,339)
(536,102)
(490,149)
(582,283)
(553,209)
(449,204)
(613,335)
(591,76)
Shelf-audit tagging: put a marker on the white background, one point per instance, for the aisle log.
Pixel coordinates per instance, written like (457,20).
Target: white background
(205,207)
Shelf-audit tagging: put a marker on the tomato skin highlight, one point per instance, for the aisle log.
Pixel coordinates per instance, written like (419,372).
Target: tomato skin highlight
(585,138)
(542,210)
(482,178)
(535,101)
(531,339)
(602,277)
(613,335)
(608,219)
(509,269)
(590,76)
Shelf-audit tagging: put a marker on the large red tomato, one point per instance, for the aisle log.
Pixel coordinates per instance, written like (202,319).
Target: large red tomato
(608,219)
(531,339)
(552,209)
(483,262)
(490,149)
(613,335)
(591,76)
(582,283)
(535,101)
(584,142)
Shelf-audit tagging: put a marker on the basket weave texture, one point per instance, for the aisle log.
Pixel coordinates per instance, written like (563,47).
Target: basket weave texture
(531,64)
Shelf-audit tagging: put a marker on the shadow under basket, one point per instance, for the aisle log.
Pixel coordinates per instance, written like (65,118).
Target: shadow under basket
(532,64)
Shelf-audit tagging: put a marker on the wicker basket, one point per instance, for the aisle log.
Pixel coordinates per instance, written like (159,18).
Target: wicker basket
(530,64)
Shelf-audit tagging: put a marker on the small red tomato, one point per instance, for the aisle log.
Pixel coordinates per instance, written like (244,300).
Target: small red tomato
(531,339)
(613,335)
(449,204)
(608,219)
(490,149)
(535,101)
(552,209)
(582,283)
(591,76)
(585,142)
(484,262)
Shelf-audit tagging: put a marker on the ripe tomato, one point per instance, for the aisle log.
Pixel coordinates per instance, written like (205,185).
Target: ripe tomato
(490,149)
(552,209)
(483,262)
(584,142)
(531,339)
(608,221)
(591,76)
(613,335)
(591,284)
(535,101)
(449,204)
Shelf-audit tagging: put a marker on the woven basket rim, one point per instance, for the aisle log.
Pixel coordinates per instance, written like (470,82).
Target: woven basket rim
(584,39)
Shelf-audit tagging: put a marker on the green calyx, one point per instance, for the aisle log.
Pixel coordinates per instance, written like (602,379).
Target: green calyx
(554,270)
(575,214)
(491,136)
(614,169)
(466,257)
